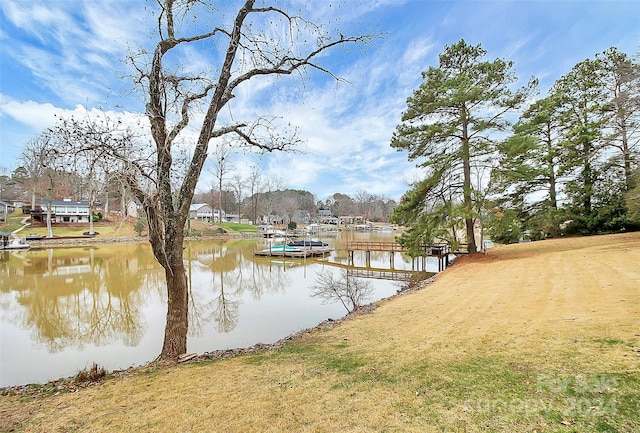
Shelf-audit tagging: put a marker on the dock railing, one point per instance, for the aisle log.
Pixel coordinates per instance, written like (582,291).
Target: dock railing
(392,247)
(435,250)
(441,251)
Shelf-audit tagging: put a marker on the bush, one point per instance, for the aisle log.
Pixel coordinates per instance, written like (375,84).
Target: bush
(140,226)
(505,227)
(92,374)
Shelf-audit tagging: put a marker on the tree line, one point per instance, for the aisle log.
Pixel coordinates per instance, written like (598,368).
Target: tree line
(567,165)
(42,177)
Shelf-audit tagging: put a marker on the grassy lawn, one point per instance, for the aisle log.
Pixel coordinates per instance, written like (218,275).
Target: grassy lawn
(240,228)
(13,221)
(537,337)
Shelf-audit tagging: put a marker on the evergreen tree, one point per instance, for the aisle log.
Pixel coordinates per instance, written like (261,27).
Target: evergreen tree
(620,79)
(527,177)
(599,112)
(448,125)
(581,111)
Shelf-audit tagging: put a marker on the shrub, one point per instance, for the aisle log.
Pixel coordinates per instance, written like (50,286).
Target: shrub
(140,226)
(92,374)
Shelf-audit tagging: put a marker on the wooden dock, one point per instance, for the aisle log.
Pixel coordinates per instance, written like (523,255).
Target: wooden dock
(440,251)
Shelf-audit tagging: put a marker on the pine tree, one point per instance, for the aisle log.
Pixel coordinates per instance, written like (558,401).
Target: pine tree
(448,125)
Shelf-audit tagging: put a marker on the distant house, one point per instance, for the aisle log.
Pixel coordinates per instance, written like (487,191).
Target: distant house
(131,208)
(201,212)
(232,217)
(5,209)
(271,219)
(301,216)
(324,213)
(326,217)
(351,219)
(204,212)
(216,215)
(66,211)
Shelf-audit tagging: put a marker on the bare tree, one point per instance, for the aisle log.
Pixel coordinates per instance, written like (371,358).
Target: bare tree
(254,183)
(33,159)
(222,167)
(85,153)
(238,186)
(175,100)
(41,160)
(363,198)
(268,203)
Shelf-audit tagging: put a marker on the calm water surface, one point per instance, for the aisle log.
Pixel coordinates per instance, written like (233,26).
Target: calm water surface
(63,309)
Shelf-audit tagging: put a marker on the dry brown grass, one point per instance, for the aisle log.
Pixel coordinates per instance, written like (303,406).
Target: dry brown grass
(520,340)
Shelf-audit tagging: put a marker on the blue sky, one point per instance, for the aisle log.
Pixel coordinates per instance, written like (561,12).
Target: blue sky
(63,57)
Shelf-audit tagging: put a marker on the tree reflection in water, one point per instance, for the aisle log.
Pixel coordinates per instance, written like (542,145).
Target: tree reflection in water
(227,270)
(72,297)
(83,305)
(341,286)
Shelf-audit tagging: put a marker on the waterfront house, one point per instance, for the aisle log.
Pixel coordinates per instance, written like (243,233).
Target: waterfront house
(201,212)
(204,212)
(65,211)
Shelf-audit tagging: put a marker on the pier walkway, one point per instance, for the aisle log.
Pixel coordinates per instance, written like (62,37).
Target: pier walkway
(440,251)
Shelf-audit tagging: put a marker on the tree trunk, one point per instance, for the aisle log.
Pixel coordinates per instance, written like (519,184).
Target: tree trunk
(106,206)
(49,229)
(553,194)
(588,178)
(468,204)
(175,333)
(91,230)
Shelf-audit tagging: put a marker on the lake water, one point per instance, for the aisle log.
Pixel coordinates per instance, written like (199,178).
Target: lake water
(63,309)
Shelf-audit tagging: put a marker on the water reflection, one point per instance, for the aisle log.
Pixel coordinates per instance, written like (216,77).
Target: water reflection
(64,308)
(71,297)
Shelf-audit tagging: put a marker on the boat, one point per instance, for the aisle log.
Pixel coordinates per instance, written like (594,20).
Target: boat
(268,231)
(15,244)
(286,250)
(308,244)
(283,248)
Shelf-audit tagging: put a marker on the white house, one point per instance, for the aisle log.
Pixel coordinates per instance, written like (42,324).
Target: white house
(216,215)
(301,216)
(131,208)
(204,212)
(67,211)
(201,212)
(5,209)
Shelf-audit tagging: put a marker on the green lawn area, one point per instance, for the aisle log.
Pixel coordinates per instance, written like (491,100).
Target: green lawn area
(13,221)
(240,228)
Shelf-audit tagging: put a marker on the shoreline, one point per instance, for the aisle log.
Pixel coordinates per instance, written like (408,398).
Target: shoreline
(70,384)
(83,241)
